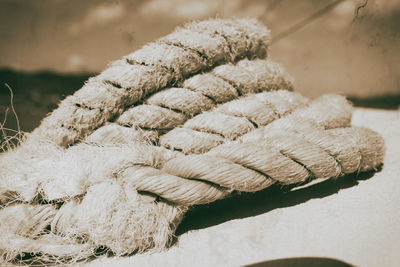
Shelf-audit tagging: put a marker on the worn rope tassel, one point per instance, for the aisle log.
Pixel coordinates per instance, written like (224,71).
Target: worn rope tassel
(184,121)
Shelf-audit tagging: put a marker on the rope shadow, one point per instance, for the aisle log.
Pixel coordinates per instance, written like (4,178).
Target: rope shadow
(302,261)
(243,205)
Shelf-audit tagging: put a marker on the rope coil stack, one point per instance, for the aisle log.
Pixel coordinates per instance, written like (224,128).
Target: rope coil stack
(184,121)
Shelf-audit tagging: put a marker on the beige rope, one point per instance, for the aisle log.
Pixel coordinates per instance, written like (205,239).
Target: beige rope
(183,121)
(172,107)
(187,51)
(197,179)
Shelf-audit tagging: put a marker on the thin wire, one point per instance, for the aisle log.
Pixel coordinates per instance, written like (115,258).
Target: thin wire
(305,21)
(359,6)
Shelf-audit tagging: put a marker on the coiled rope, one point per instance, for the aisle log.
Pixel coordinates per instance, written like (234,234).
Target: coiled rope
(118,164)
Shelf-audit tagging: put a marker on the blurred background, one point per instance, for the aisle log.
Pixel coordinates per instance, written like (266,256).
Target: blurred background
(48,48)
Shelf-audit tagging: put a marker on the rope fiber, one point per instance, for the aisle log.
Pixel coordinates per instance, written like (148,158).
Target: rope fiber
(186,120)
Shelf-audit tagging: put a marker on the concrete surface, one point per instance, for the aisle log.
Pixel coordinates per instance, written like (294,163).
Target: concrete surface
(355,219)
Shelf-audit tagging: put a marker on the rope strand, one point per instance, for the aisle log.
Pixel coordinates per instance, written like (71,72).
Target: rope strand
(186,120)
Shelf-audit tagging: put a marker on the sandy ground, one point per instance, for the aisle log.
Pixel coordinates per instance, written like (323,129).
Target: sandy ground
(355,219)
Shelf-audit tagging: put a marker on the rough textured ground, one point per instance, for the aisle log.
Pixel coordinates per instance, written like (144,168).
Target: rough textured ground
(354,219)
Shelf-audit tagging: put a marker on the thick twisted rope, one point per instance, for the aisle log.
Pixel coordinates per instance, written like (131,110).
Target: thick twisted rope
(288,157)
(189,50)
(196,179)
(55,188)
(204,131)
(66,181)
(172,107)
